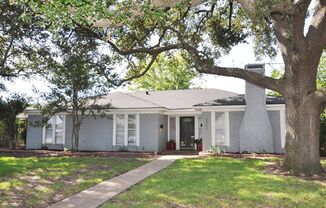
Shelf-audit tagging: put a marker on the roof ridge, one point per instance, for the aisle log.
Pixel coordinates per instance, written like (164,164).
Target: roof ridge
(129,94)
(191,89)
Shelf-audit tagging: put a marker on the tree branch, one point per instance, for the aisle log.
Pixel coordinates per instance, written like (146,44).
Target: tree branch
(249,7)
(321,96)
(317,29)
(299,17)
(149,65)
(208,67)
(151,50)
(6,54)
(280,26)
(255,78)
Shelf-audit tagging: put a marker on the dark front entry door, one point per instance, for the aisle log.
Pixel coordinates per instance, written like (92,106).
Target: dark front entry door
(187,131)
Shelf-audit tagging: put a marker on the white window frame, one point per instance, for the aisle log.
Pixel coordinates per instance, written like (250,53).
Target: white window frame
(115,128)
(125,143)
(53,118)
(282,127)
(227,128)
(127,118)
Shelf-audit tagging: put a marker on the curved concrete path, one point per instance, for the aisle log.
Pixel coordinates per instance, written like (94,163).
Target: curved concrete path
(100,193)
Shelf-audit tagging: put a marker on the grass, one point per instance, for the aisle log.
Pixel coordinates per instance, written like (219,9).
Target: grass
(222,182)
(39,182)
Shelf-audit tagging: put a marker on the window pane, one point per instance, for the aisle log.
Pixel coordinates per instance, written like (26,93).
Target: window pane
(59,129)
(120,122)
(132,129)
(131,136)
(219,128)
(131,121)
(49,133)
(120,136)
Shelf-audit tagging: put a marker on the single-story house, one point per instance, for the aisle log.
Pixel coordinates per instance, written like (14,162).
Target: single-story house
(145,121)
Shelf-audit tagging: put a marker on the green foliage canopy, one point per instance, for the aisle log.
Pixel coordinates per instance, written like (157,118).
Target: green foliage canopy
(23,48)
(73,73)
(167,73)
(9,109)
(141,30)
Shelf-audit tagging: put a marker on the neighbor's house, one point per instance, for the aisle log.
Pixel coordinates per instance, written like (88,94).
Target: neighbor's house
(145,121)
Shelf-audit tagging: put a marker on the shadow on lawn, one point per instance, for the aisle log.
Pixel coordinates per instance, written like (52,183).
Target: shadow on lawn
(39,182)
(223,182)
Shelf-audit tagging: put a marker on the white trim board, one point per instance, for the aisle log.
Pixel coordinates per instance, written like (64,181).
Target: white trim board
(177,132)
(196,110)
(236,108)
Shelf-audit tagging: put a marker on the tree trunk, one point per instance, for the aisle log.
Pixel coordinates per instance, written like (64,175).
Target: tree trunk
(74,145)
(76,123)
(77,135)
(302,137)
(12,142)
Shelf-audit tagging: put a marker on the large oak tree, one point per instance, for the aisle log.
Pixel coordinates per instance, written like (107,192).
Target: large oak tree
(207,29)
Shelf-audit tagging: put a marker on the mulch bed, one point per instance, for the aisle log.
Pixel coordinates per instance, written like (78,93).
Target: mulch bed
(244,156)
(53,153)
(57,153)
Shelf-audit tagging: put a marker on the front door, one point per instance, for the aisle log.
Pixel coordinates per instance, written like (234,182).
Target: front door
(187,132)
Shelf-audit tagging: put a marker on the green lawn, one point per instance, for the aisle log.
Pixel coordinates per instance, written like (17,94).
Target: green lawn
(38,182)
(222,182)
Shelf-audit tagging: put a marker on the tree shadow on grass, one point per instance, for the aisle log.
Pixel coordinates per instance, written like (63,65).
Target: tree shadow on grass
(222,182)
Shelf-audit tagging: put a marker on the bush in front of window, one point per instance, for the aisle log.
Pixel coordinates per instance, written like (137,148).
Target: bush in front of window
(123,149)
(218,149)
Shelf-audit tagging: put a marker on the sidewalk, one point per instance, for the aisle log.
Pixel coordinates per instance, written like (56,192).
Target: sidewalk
(98,194)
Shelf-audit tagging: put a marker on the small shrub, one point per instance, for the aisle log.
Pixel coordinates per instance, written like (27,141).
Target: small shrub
(44,147)
(198,141)
(261,151)
(123,149)
(217,149)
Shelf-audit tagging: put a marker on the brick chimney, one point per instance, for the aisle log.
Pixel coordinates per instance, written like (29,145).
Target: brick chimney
(255,131)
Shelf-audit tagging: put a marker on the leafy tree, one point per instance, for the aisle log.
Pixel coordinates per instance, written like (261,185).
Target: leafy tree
(22,43)
(9,109)
(74,81)
(167,73)
(321,83)
(276,74)
(140,30)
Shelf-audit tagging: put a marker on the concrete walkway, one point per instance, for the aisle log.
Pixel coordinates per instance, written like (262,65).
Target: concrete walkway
(100,193)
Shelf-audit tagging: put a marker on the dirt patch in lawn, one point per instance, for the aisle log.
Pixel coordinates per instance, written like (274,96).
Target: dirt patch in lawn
(40,178)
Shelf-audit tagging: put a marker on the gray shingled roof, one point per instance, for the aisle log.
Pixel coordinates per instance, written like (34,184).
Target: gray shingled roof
(124,100)
(240,100)
(169,99)
(182,99)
